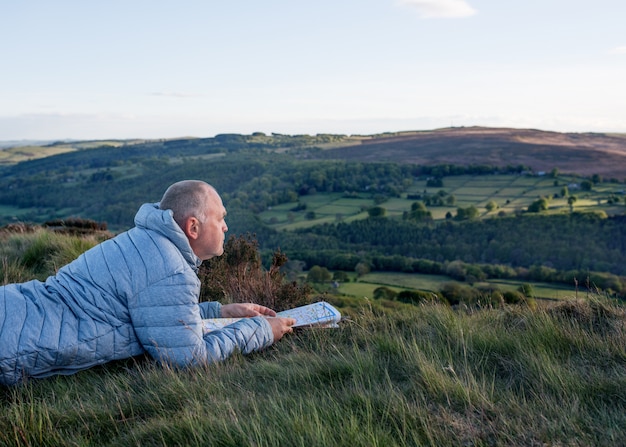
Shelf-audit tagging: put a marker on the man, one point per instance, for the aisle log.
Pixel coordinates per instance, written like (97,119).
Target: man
(135,293)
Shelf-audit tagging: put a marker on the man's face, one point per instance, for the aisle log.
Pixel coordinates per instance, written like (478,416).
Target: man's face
(210,241)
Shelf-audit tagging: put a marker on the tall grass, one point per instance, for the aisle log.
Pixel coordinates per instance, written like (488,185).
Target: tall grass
(39,253)
(425,376)
(405,375)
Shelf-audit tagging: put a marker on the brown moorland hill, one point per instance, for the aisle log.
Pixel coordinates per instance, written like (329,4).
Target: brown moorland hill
(576,153)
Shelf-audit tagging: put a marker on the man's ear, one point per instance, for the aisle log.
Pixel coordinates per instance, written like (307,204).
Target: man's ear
(191,228)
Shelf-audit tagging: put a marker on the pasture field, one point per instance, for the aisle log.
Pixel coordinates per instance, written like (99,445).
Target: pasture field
(414,281)
(542,290)
(16,154)
(14,211)
(20,214)
(328,208)
(512,193)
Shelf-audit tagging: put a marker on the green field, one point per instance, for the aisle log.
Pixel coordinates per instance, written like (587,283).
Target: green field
(366,285)
(17,154)
(16,214)
(512,193)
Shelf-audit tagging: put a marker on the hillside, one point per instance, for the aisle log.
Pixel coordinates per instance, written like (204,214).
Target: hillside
(583,154)
(391,374)
(578,153)
(275,188)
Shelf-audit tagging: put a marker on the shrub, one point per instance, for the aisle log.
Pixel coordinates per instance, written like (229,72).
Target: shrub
(527,290)
(238,276)
(457,293)
(377,211)
(491,205)
(418,296)
(384,293)
(512,297)
(538,205)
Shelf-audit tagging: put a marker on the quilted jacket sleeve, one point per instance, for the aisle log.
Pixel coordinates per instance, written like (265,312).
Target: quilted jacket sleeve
(210,309)
(168,323)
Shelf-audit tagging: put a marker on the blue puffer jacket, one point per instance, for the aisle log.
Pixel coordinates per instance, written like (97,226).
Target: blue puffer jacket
(134,293)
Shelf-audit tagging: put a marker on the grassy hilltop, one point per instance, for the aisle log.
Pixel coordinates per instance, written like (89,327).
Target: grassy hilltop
(473,369)
(392,374)
(575,153)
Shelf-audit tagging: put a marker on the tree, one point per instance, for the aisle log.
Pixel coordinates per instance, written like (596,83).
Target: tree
(416,296)
(384,293)
(318,274)
(341,276)
(570,201)
(419,212)
(434,182)
(538,205)
(362,268)
(377,211)
(491,205)
(586,185)
(468,213)
(456,270)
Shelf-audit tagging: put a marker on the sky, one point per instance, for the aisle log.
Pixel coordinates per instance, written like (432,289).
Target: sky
(77,69)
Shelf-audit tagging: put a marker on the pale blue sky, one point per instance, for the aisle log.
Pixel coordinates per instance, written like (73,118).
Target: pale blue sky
(162,69)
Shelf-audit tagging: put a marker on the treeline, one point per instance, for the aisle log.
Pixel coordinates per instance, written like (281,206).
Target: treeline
(110,156)
(109,183)
(471,274)
(569,241)
(246,182)
(551,248)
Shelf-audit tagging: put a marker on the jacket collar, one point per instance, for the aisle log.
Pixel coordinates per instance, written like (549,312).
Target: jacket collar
(151,217)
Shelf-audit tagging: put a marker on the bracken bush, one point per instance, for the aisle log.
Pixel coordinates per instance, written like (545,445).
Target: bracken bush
(239,276)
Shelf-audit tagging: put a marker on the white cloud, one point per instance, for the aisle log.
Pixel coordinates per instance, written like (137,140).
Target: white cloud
(618,50)
(429,9)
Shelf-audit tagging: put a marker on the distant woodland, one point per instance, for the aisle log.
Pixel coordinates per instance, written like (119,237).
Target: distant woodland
(107,183)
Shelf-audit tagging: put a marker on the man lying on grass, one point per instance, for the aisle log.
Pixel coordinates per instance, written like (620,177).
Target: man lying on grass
(135,293)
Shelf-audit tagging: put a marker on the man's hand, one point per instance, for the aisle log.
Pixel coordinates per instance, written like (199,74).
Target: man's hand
(281,326)
(245,310)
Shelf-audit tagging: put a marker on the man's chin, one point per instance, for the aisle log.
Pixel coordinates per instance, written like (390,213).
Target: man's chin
(214,255)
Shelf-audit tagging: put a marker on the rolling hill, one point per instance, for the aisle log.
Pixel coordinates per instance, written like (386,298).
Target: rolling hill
(583,154)
(575,153)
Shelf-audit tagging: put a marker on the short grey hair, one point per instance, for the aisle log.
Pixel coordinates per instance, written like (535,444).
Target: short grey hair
(187,198)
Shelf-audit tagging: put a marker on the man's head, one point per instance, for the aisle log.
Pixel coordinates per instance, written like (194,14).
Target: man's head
(199,212)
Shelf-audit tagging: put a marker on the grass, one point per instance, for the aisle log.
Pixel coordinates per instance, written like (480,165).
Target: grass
(39,253)
(426,376)
(512,193)
(413,281)
(13,155)
(398,375)
(22,153)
